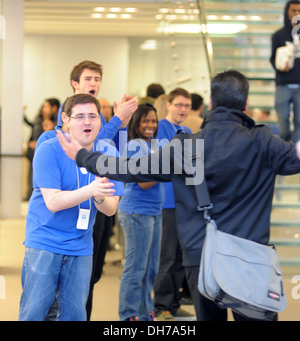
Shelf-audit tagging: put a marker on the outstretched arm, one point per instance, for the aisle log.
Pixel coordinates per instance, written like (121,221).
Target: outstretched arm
(121,169)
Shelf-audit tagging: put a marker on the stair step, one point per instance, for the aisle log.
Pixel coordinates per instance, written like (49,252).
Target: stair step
(286,205)
(280,187)
(283,223)
(285,242)
(290,261)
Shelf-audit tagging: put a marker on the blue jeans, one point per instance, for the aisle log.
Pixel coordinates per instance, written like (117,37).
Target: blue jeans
(142,235)
(45,273)
(286,95)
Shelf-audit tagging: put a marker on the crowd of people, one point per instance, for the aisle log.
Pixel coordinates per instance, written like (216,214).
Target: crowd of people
(77,191)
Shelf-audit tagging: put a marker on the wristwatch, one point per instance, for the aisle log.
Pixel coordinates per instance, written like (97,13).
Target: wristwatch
(100,201)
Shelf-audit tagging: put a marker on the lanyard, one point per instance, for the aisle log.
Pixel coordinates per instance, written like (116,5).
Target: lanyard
(78,183)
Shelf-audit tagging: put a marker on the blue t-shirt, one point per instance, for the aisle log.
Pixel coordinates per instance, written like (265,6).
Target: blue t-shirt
(167,130)
(56,231)
(137,200)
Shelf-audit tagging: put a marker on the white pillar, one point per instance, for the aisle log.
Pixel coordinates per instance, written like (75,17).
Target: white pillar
(11,108)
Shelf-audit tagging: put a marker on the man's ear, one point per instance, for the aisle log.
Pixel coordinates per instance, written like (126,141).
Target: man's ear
(210,103)
(65,118)
(75,85)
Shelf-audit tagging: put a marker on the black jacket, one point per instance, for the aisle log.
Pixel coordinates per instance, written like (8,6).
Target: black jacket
(279,38)
(241,161)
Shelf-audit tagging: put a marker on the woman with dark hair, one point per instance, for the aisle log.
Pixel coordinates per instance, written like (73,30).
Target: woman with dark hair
(140,217)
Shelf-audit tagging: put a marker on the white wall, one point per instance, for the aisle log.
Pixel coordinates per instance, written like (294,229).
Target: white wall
(48,61)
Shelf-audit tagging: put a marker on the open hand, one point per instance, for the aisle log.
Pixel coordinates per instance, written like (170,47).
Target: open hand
(70,146)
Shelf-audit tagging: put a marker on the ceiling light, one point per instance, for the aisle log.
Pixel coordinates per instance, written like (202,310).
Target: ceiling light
(115,9)
(111,16)
(180,10)
(148,45)
(96,15)
(171,17)
(125,16)
(130,10)
(99,9)
(163,10)
(255,17)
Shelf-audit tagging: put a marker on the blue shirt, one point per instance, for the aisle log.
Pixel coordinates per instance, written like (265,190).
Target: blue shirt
(167,130)
(56,231)
(136,199)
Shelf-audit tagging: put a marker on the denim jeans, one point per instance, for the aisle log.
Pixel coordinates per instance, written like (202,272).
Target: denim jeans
(171,271)
(45,273)
(142,234)
(286,95)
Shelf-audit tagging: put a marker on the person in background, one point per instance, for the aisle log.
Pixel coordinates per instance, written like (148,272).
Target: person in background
(43,122)
(287,78)
(171,272)
(160,104)
(140,217)
(153,91)
(193,120)
(106,109)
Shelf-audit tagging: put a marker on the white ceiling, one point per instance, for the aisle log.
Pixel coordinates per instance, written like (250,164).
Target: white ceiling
(75,17)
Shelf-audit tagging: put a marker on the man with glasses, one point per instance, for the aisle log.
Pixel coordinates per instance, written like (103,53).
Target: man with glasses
(61,214)
(171,272)
(86,78)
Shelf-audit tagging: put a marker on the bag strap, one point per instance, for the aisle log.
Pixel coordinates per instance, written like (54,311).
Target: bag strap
(203,199)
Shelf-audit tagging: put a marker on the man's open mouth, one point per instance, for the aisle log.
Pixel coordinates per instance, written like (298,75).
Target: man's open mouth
(87,130)
(92,92)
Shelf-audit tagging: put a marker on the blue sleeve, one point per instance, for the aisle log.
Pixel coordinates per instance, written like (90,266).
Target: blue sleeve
(47,135)
(110,129)
(46,167)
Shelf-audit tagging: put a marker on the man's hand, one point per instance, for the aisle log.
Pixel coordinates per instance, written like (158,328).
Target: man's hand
(70,146)
(287,67)
(125,108)
(101,187)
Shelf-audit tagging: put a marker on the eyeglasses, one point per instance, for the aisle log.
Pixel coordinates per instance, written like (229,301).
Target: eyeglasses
(180,105)
(82,117)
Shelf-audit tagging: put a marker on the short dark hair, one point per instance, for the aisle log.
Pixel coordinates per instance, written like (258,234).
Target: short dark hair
(178,92)
(154,90)
(287,21)
(141,111)
(229,89)
(86,64)
(80,99)
(197,101)
(53,102)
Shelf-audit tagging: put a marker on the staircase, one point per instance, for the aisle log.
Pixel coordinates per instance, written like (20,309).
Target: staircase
(248,51)
(285,220)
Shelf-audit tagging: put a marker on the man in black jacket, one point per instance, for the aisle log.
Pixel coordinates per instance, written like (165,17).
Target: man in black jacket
(241,162)
(288,78)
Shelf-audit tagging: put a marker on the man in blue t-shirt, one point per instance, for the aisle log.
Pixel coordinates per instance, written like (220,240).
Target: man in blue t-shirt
(86,78)
(171,272)
(60,219)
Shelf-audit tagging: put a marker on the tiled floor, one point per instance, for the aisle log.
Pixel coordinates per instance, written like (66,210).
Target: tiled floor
(105,303)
